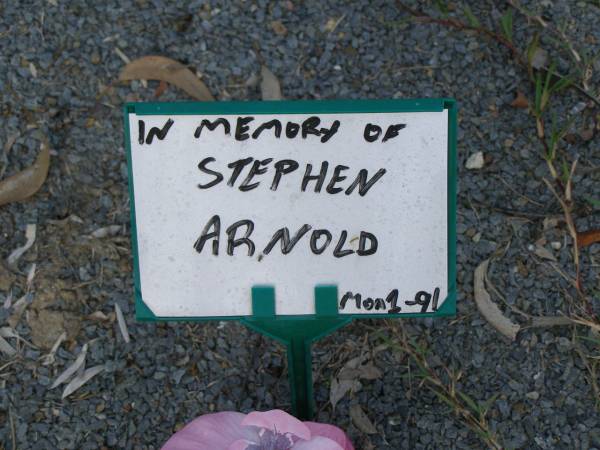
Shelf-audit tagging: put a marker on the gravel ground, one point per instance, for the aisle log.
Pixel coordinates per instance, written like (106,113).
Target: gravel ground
(59,67)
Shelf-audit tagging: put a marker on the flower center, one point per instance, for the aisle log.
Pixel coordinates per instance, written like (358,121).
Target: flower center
(272,440)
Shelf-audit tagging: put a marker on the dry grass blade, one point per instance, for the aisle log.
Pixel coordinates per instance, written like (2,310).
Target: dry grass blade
(550,321)
(361,421)
(488,309)
(81,379)
(169,70)
(122,324)
(269,86)
(18,252)
(27,182)
(72,369)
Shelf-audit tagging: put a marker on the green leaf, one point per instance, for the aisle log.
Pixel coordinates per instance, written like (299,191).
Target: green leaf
(469,401)
(506,21)
(471,19)
(565,172)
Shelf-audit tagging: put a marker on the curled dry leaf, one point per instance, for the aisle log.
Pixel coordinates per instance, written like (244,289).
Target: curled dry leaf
(169,70)
(488,309)
(520,101)
(269,86)
(81,379)
(361,421)
(27,182)
(18,252)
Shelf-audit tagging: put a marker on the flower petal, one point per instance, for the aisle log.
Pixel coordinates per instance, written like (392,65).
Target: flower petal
(332,432)
(278,420)
(211,432)
(318,443)
(241,444)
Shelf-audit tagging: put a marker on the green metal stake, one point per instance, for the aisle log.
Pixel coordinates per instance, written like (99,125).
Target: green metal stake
(297,335)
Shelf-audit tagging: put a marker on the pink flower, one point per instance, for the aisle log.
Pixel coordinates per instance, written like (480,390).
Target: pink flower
(270,430)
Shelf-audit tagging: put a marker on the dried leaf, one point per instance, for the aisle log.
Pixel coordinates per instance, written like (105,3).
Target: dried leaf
(169,70)
(6,348)
(122,323)
(7,146)
(103,232)
(488,309)
(98,315)
(366,371)
(81,379)
(520,101)
(31,275)
(49,358)
(269,86)
(72,369)
(27,182)
(544,253)
(279,28)
(18,308)
(588,238)
(18,252)
(339,388)
(361,421)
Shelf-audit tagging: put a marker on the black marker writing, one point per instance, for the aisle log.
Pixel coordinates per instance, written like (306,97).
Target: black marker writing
(160,133)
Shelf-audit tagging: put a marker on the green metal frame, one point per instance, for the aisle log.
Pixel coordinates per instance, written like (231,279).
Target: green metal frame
(298,332)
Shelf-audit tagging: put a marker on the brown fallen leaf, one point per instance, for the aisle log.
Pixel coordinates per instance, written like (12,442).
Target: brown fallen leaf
(588,238)
(169,70)
(269,86)
(520,101)
(27,182)
(488,309)
(361,421)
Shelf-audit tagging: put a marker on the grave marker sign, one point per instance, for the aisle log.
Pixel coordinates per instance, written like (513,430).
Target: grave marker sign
(227,197)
